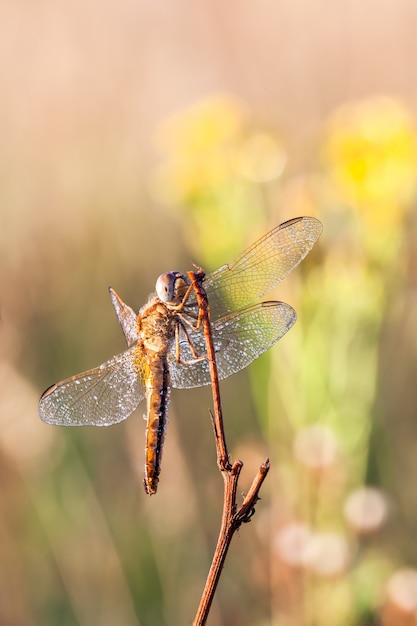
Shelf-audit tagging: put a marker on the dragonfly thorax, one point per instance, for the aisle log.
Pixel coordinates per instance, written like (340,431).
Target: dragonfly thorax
(171,287)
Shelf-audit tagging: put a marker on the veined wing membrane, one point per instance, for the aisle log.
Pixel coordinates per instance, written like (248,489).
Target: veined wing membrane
(257,270)
(126,316)
(101,396)
(239,338)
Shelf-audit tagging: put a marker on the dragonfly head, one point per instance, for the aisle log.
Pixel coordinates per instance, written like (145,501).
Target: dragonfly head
(171,287)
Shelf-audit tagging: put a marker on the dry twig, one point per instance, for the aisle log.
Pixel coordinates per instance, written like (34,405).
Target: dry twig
(232,518)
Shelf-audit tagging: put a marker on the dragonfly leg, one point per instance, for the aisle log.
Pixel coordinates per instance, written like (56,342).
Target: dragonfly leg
(180,306)
(184,318)
(196,357)
(183,305)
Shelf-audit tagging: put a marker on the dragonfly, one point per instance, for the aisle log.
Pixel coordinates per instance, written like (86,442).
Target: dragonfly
(166,346)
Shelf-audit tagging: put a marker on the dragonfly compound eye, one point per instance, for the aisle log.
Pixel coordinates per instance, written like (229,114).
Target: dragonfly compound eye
(171,287)
(165,286)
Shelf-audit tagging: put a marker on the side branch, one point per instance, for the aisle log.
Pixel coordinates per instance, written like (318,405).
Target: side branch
(247,508)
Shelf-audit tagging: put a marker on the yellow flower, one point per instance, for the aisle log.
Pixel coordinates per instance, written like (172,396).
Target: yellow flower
(212,161)
(199,146)
(371,153)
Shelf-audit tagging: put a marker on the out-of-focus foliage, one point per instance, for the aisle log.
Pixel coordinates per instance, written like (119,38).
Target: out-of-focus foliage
(213,159)
(333,405)
(88,200)
(317,395)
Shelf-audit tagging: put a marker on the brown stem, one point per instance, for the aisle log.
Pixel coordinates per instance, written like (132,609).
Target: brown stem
(204,318)
(225,537)
(231,519)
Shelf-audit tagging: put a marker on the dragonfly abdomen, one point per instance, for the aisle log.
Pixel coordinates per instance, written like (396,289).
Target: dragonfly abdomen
(157,397)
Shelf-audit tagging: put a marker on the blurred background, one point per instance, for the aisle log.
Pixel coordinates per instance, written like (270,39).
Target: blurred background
(136,138)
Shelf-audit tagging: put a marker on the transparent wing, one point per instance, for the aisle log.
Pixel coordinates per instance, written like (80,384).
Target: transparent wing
(126,316)
(260,267)
(101,396)
(239,338)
